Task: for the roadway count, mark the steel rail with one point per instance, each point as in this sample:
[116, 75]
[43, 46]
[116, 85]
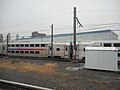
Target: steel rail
[33, 87]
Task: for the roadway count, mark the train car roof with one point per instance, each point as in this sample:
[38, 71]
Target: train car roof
[30, 43]
[66, 43]
[108, 41]
[102, 41]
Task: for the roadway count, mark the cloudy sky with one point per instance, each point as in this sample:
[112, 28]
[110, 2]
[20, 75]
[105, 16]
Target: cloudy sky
[26, 16]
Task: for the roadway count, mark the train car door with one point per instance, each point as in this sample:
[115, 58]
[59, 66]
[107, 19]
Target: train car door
[49, 51]
[70, 51]
[66, 52]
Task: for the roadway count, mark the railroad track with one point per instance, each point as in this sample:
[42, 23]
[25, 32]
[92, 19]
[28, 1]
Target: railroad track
[10, 85]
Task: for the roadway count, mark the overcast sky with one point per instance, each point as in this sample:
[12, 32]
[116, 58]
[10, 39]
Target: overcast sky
[25, 16]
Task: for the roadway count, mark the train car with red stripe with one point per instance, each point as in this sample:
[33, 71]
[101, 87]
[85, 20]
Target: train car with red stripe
[33, 49]
[38, 49]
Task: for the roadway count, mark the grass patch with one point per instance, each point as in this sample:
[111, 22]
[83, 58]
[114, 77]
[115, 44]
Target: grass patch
[48, 68]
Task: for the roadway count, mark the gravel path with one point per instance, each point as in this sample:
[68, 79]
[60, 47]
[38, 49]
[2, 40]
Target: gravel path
[62, 79]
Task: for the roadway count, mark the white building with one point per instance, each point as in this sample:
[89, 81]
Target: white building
[102, 58]
[83, 36]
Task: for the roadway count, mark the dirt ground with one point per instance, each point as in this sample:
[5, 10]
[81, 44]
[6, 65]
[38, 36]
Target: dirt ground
[53, 74]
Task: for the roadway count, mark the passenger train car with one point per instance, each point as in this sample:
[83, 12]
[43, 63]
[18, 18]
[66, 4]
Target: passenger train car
[38, 49]
[60, 50]
[110, 43]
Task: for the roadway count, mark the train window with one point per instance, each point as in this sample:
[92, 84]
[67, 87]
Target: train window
[118, 54]
[42, 45]
[21, 45]
[3, 47]
[12, 45]
[31, 52]
[76, 49]
[26, 45]
[66, 49]
[107, 45]
[84, 49]
[37, 45]
[50, 48]
[37, 52]
[116, 44]
[17, 45]
[12, 51]
[26, 52]
[17, 51]
[57, 49]
[31, 45]
[9, 45]
[21, 51]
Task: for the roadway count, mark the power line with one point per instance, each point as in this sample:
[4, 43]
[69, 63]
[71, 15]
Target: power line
[39, 20]
[109, 25]
[68, 28]
[41, 29]
[100, 10]
[117, 30]
[118, 23]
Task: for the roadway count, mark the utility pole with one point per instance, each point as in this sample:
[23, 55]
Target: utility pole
[7, 44]
[52, 41]
[74, 25]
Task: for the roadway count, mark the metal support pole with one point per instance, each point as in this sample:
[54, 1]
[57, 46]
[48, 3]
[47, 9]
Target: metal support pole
[74, 25]
[7, 45]
[52, 41]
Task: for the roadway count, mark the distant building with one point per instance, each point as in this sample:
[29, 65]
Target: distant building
[36, 34]
[80, 37]
[1, 37]
[17, 36]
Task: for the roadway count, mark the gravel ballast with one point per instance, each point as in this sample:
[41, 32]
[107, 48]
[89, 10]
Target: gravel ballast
[56, 76]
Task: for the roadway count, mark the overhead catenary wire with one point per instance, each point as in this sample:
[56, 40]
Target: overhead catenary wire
[86, 11]
[70, 27]
[37, 20]
[60, 29]
[40, 29]
[55, 16]
[65, 27]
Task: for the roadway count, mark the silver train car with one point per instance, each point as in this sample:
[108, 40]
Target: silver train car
[60, 50]
[39, 49]
[110, 43]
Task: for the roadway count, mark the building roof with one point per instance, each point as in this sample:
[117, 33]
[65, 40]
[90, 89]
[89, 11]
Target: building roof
[101, 49]
[69, 34]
